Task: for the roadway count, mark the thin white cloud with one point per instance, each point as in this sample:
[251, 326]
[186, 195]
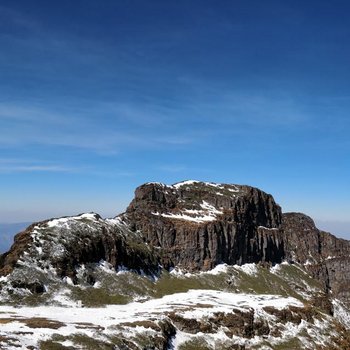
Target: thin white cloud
[8, 169]
[17, 165]
[86, 129]
[30, 114]
[20, 165]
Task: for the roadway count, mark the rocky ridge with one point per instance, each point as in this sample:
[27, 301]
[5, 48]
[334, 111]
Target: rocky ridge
[324, 256]
[168, 240]
[57, 249]
[191, 225]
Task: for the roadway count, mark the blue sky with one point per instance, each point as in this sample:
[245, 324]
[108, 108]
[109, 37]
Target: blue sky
[98, 97]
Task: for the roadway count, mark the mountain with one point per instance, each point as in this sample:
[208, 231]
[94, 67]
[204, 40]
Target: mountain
[193, 265]
[7, 231]
[324, 256]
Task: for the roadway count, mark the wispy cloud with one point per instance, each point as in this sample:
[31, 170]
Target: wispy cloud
[184, 114]
[225, 105]
[99, 130]
[17, 113]
[12, 165]
[34, 168]
[111, 128]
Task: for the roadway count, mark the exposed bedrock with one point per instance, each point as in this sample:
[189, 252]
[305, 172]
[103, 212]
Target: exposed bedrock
[199, 225]
[325, 256]
[67, 243]
[193, 225]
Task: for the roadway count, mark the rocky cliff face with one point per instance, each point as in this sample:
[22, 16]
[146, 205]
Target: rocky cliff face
[199, 225]
[278, 281]
[191, 225]
[326, 257]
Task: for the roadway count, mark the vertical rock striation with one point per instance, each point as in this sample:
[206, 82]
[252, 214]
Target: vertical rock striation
[198, 225]
[325, 256]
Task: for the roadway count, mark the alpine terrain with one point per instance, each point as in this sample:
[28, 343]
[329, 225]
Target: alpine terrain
[193, 265]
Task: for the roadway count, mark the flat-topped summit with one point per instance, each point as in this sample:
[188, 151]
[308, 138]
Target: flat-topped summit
[199, 202]
[189, 200]
[201, 224]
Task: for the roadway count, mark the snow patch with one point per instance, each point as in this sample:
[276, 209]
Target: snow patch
[63, 298]
[341, 312]
[218, 269]
[57, 222]
[206, 214]
[67, 343]
[268, 228]
[185, 183]
[68, 280]
[249, 269]
[230, 188]
[107, 267]
[156, 183]
[3, 279]
[277, 267]
[65, 220]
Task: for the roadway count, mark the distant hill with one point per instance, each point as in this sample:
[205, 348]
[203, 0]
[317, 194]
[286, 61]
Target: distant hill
[7, 232]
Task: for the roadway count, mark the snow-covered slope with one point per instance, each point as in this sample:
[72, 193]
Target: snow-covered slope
[196, 319]
[250, 306]
[189, 266]
[68, 251]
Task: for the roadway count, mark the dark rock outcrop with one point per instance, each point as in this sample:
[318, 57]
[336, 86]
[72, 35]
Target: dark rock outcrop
[9, 259]
[324, 256]
[199, 225]
[245, 323]
[76, 241]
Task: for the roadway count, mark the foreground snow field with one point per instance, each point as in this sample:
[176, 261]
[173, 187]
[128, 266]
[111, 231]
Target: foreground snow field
[28, 327]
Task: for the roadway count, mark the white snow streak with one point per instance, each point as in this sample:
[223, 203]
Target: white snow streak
[207, 213]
